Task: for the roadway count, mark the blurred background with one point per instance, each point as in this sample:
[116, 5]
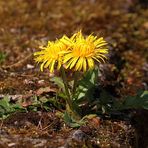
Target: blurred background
[25, 24]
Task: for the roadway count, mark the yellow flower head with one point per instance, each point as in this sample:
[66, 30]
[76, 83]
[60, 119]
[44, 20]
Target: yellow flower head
[50, 56]
[77, 52]
[84, 52]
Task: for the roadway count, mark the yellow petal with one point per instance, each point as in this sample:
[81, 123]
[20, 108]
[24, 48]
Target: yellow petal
[102, 51]
[98, 55]
[79, 64]
[42, 65]
[90, 63]
[101, 57]
[84, 64]
[72, 62]
[47, 64]
[67, 57]
[101, 44]
[96, 59]
[52, 66]
[59, 65]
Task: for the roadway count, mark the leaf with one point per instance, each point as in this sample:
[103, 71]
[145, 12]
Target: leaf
[105, 97]
[4, 105]
[87, 84]
[62, 95]
[67, 118]
[145, 99]
[46, 107]
[139, 101]
[89, 116]
[71, 122]
[145, 94]
[6, 108]
[59, 82]
[90, 77]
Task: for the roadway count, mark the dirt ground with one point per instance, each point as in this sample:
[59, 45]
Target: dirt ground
[25, 24]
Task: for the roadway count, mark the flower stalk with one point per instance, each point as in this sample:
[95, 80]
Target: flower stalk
[69, 100]
[76, 74]
[70, 107]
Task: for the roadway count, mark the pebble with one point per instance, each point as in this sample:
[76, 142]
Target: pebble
[29, 66]
[79, 136]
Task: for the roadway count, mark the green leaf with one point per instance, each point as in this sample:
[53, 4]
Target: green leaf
[138, 102]
[104, 102]
[90, 77]
[4, 105]
[89, 116]
[71, 122]
[144, 97]
[59, 82]
[67, 118]
[144, 94]
[62, 95]
[6, 108]
[46, 107]
[86, 85]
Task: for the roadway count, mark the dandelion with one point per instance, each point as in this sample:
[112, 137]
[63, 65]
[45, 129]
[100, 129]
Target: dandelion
[84, 52]
[50, 56]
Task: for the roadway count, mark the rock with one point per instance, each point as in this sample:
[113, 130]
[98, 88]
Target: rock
[79, 136]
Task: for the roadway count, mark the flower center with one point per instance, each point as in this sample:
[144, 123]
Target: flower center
[84, 49]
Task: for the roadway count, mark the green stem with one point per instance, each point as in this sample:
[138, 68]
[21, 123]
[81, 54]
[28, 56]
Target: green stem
[75, 82]
[69, 100]
[69, 106]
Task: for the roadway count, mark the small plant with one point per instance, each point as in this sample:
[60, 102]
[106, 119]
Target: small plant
[75, 58]
[7, 107]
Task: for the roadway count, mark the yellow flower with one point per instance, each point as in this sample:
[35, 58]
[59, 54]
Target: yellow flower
[76, 52]
[51, 56]
[84, 52]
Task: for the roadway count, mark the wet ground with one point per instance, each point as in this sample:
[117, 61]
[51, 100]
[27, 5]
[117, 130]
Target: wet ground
[27, 24]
